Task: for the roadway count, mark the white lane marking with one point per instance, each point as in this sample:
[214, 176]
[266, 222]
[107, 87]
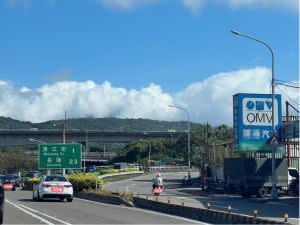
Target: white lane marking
[146, 211]
[29, 213]
[43, 214]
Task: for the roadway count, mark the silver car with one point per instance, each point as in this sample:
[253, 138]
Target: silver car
[53, 186]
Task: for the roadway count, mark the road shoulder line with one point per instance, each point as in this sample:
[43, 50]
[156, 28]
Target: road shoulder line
[29, 213]
[43, 214]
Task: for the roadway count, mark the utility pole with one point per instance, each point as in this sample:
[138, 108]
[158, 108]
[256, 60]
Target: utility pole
[64, 136]
[86, 149]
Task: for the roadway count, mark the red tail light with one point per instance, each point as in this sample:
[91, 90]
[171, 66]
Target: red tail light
[46, 185]
[68, 185]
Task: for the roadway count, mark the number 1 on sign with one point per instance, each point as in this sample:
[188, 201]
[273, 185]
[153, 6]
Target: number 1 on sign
[73, 151]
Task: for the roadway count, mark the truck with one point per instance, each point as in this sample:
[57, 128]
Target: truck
[253, 176]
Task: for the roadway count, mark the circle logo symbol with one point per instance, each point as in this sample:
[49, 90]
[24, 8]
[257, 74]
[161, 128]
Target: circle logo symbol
[250, 105]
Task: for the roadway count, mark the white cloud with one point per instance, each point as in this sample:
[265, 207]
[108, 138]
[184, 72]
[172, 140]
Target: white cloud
[19, 3]
[209, 100]
[291, 4]
[196, 5]
[24, 89]
[193, 5]
[125, 4]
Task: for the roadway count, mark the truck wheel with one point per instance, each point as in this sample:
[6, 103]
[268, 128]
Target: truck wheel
[262, 192]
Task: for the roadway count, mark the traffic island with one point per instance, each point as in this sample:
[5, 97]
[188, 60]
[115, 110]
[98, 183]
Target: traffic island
[200, 214]
[109, 198]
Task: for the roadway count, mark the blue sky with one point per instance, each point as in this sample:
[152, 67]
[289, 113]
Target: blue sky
[131, 44]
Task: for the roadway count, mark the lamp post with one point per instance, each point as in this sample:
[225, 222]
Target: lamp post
[189, 142]
[86, 147]
[42, 142]
[274, 193]
[149, 153]
[31, 139]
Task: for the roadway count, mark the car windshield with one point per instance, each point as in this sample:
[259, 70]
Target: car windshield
[56, 178]
[6, 178]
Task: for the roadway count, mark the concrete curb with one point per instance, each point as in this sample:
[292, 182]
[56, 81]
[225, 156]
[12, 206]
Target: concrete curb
[200, 214]
[204, 215]
[109, 199]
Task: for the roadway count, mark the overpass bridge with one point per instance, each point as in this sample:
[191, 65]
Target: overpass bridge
[13, 137]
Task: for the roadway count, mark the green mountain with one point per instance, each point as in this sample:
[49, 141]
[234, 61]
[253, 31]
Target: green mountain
[99, 124]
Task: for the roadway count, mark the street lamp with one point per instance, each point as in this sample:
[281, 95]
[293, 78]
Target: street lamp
[149, 154]
[86, 147]
[42, 142]
[189, 142]
[31, 139]
[274, 193]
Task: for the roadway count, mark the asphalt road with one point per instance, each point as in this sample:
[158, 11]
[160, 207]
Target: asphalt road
[20, 209]
[196, 198]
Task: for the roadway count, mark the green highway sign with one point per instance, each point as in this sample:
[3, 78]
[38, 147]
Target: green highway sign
[59, 156]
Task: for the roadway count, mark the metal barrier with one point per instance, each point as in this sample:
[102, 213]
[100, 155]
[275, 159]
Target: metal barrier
[163, 168]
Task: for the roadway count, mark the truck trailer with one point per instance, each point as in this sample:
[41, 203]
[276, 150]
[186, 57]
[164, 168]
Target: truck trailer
[253, 176]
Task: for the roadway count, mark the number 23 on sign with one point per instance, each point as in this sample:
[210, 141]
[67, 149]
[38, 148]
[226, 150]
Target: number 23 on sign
[73, 161]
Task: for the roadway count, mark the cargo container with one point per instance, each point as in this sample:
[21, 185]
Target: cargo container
[253, 176]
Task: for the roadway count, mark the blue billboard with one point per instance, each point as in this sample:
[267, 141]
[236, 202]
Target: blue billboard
[252, 122]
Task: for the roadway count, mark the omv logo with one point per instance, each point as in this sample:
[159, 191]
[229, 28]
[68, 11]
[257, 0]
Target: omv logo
[259, 105]
[258, 111]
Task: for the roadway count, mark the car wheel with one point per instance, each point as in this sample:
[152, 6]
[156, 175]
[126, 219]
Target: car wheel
[39, 198]
[1, 212]
[70, 199]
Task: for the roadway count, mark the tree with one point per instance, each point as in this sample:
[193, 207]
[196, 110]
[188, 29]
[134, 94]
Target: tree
[15, 160]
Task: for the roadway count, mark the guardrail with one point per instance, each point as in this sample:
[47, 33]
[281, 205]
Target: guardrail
[163, 168]
[116, 174]
[119, 174]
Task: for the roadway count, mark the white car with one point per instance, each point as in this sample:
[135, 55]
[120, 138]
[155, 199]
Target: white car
[53, 186]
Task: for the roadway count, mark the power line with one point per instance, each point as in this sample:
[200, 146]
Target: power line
[288, 97]
[288, 85]
[288, 82]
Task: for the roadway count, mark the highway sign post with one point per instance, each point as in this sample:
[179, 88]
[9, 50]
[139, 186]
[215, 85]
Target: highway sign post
[252, 122]
[59, 156]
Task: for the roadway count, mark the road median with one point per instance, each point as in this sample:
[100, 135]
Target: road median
[105, 197]
[200, 214]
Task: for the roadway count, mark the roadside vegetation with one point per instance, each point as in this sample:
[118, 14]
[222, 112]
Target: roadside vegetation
[208, 145]
[15, 160]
